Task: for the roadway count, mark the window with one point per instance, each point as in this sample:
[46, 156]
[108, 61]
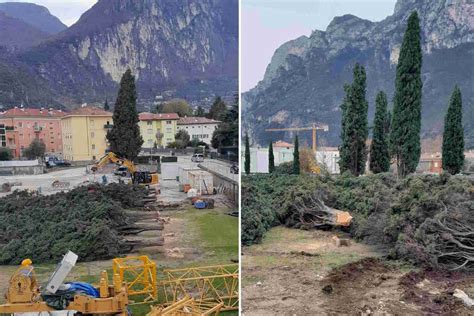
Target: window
[169, 130]
[93, 146]
[20, 124]
[92, 134]
[150, 131]
[148, 123]
[92, 122]
[168, 122]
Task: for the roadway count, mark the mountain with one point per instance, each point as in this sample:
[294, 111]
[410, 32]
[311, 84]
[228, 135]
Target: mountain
[17, 35]
[186, 48]
[304, 81]
[34, 15]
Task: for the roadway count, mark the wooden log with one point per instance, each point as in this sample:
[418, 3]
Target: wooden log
[138, 241]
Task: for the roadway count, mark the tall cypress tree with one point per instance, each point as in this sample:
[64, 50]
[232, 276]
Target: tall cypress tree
[354, 131]
[453, 136]
[296, 157]
[247, 154]
[344, 148]
[124, 137]
[406, 121]
[271, 158]
[379, 152]
[106, 105]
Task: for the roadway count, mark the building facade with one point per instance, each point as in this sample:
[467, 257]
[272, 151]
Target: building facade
[84, 133]
[282, 152]
[157, 130]
[23, 125]
[199, 128]
[326, 157]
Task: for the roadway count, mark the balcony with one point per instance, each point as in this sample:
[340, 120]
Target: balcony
[108, 126]
[37, 129]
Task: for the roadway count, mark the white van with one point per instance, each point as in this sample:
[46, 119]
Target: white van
[197, 158]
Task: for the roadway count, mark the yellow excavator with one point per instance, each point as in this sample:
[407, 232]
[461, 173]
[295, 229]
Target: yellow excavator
[146, 178]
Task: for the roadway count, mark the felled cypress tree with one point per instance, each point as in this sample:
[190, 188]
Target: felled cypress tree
[247, 154]
[296, 157]
[354, 133]
[271, 159]
[453, 135]
[406, 122]
[124, 137]
[379, 153]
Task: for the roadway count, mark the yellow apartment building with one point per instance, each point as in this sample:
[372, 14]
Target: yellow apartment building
[84, 133]
[157, 129]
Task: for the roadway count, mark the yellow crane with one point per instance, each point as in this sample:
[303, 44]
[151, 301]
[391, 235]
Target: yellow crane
[138, 177]
[314, 127]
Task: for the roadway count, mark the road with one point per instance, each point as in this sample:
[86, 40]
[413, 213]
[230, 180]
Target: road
[77, 176]
[43, 182]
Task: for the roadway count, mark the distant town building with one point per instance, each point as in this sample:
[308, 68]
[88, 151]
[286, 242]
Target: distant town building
[3, 136]
[327, 157]
[430, 163]
[199, 128]
[84, 133]
[282, 151]
[23, 125]
[157, 130]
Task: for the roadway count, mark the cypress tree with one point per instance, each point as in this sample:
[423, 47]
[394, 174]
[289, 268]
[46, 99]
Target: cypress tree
[406, 120]
[354, 131]
[379, 152]
[247, 154]
[453, 136]
[296, 157]
[106, 105]
[344, 148]
[124, 137]
[271, 159]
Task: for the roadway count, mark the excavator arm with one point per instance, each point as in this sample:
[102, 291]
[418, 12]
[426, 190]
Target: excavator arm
[113, 158]
[138, 177]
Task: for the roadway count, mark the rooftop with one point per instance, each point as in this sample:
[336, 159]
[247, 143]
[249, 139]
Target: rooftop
[147, 116]
[196, 120]
[29, 112]
[281, 143]
[89, 110]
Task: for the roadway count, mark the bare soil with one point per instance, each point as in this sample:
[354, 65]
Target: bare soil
[296, 272]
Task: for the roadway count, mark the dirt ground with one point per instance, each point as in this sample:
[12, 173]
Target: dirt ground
[295, 272]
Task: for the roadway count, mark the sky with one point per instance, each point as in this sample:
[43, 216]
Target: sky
[267, 24]
[68, 11]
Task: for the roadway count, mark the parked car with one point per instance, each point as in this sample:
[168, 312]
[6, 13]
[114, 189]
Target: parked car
[62, 163]
[56, 162]
[197, 158]
[121, 171]
[234, 169]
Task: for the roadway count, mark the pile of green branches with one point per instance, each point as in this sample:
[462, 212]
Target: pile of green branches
[85, 220]
[426, 219]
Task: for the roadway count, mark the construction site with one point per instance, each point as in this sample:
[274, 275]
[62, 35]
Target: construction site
[115, 238]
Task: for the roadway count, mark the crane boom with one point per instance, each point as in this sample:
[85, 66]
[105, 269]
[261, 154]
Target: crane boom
[312, 128]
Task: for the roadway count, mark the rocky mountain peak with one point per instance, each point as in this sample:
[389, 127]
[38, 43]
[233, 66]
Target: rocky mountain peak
[34, 15]
[304, 82]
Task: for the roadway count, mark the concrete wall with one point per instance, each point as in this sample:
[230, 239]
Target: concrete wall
[20, 167]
